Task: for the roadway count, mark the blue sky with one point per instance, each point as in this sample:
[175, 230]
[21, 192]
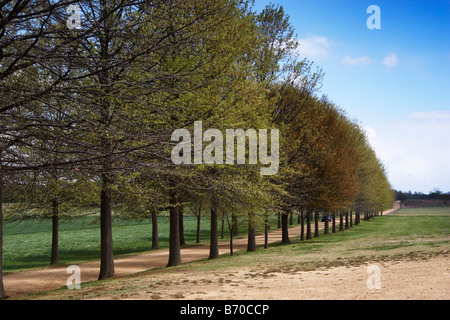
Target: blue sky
[395, 80]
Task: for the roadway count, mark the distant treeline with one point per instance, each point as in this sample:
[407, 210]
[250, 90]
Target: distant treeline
[432, 195]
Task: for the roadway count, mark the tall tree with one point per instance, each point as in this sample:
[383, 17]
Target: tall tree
[27, 30]
[174, 244]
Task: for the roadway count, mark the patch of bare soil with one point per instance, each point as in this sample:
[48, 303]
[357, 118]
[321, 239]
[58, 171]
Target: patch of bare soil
[399, 280]
[51, 278]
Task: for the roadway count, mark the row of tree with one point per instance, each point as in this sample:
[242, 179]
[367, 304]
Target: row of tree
[87, 115]
[436, 194]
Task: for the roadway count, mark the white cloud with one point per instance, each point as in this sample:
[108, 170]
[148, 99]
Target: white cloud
[314, 47]
[430, 115]
[390, 61]
[370, 133]
[414, 151]
[360, 61]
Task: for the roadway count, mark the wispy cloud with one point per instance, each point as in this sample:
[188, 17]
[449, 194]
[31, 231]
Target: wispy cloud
[359, 61]
[430, 115]
[391, 60]
[413, 150]
[314, 47]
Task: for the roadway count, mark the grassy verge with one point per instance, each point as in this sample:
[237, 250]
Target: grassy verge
[407, 235]
[27, 243]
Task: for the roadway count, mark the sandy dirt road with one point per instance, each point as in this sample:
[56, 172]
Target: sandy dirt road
[427, 279]
[50, 278]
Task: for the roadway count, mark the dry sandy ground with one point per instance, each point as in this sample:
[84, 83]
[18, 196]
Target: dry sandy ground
[428, 279]
[50, 278]
[399, 280]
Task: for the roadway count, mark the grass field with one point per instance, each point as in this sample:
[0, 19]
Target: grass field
[409, 235]
[425, 211]
[27, 243]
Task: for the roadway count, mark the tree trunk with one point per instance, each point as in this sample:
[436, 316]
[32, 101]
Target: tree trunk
[284, 229]
[251, 243]
[214, 244]
[198, 228]
[155, 240]
[266, 231]
[235, 227]
[181, 226]
[2, 288]
[308, 225]
[222, 226]
[302, 223]
[346, 220]
[351, 218]
[174, 237]
[316, 225]
[107, 256]
[341, 221]
[55, 219]
[231, 242]
[326, 229]
[333, 228]
[105, 80]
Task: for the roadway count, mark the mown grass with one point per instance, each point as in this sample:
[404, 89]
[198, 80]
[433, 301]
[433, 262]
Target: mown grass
[27, 243]
[386, 238]
[428, 211]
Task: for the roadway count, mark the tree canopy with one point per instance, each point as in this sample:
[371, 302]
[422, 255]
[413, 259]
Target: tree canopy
[87, 114]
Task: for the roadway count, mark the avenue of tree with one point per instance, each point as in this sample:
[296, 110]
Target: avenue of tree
[86, 116]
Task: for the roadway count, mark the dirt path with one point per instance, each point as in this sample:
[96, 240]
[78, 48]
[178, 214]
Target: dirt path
[395, 207]
[50, 278]
[398, 280]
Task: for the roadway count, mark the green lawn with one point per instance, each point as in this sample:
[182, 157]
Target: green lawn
[398, 236]
[409, 235]
[427, 211]
[27, 243]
